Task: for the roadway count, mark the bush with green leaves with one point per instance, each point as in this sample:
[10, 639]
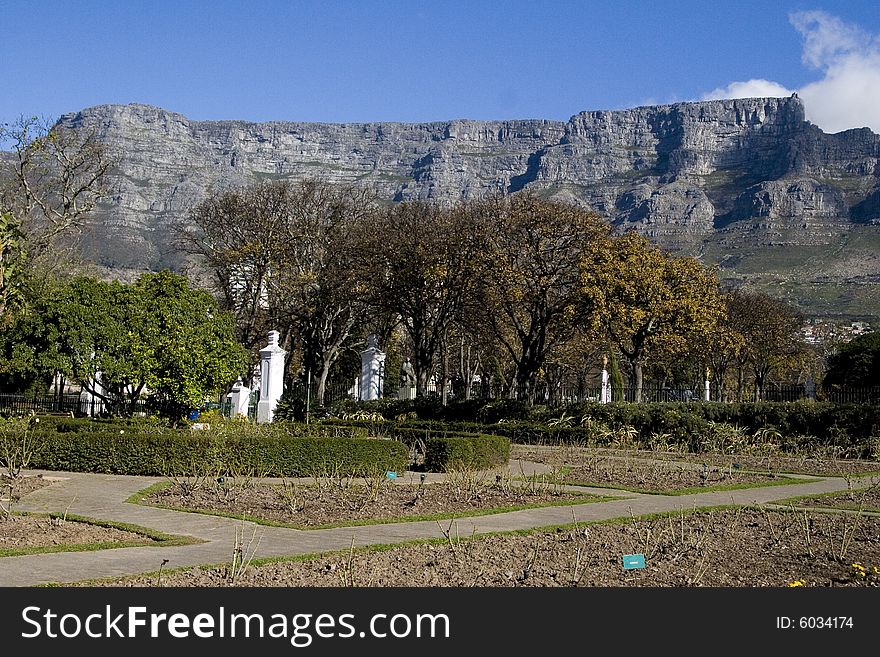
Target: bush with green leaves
[282, 451]
[471, 452]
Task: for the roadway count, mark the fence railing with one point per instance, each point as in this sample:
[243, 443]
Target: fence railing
[69, 403]
[558, 395]
[549, 395]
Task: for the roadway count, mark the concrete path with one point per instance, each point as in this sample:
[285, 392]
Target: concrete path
[103, 497]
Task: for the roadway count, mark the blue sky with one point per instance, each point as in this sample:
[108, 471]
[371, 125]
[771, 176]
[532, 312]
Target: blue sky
[410, 60]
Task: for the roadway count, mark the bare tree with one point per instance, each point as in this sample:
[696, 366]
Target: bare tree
[49, 185]
[282, 256]
[421, 263]
[54, 180]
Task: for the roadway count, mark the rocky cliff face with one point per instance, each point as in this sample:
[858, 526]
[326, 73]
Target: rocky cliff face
[743, 173]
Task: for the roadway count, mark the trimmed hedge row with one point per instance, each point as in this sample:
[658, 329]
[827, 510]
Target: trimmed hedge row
[681, 419]
[446, 445]
[141, 425]
[185, 453]
[481, 452]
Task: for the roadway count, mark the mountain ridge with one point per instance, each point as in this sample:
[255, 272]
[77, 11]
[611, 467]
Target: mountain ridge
[731, 181]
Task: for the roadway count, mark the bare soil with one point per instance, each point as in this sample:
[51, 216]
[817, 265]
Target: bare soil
[16, 488]
[347, 501]
[865, 495]
[635, 472]
[25, 531]
[728, 548]
[770, 462]
[744, 547]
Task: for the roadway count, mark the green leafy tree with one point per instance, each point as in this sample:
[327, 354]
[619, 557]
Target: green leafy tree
[157, 336]
[856, 363]
[182, 342]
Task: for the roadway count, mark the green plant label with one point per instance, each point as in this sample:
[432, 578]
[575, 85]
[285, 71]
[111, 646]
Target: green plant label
[631, 561]
[391, 475]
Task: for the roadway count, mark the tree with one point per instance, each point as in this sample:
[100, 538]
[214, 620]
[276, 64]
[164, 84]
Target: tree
[53, 182]
[770, 330]
[645, 298]
[856, 363]
[184, 342]
[120, 341]
[11, 262]
[421, 262]
[283, 257]
[532, 293]
[727, 344]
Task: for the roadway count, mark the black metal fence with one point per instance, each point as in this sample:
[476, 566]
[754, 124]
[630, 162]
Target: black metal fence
[559, 395]
[73, 404]
[69, 404]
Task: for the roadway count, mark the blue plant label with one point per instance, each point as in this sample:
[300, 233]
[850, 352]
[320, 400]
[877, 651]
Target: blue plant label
[631, 561]
[391, 475]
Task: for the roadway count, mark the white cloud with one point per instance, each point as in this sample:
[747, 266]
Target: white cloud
[757, 88]
[848, 94]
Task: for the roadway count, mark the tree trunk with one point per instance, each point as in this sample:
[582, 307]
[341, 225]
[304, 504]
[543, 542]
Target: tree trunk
[444, 369]
[322, 383]
[637, 381]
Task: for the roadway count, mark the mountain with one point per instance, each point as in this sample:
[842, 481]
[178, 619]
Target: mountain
[747, 183]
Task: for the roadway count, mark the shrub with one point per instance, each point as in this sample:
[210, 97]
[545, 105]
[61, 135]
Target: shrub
[276, 451]
[466, 452]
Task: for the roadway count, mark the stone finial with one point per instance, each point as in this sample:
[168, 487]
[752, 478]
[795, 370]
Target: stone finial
[372, 341]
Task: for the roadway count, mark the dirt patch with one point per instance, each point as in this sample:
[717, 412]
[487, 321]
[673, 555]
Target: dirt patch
[18, 487]
[26, 531]
[348, 502]
[727, 548]
[584, 466]
[771, 463]
[864, 496]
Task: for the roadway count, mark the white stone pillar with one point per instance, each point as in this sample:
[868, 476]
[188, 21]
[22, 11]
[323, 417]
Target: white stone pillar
[372, 370]
[239, 399]
[604, 394]
[707, 389]
[271, 377]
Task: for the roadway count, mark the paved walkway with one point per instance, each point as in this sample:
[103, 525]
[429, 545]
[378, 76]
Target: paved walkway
[103, 497]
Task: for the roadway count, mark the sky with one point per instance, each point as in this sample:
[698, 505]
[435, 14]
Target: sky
[413, 60]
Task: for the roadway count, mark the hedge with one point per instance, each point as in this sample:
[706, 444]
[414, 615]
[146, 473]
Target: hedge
[447, 445]
[853, 431]
[188, 453]
[457, 452]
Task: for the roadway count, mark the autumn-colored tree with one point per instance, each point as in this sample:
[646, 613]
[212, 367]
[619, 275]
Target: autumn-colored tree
[726, 345]
[644, 297]
[421, 262]
[532, 293]
[771, 337]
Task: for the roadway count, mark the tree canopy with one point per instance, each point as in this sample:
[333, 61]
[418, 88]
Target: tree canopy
[157, 335]
[856, 363]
